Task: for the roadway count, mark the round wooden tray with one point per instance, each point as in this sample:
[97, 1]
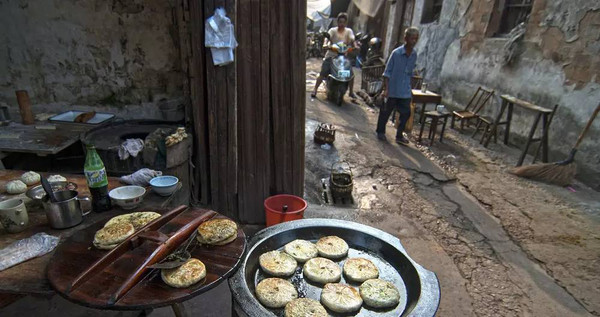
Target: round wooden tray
[77, 253]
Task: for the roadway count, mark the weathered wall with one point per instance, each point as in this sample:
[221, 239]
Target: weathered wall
[557, 62]
[81, 53]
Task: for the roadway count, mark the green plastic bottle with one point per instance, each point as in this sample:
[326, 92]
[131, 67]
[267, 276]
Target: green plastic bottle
[97, 181]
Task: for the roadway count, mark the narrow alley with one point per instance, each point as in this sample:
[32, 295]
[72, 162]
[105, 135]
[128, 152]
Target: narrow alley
[501, 246]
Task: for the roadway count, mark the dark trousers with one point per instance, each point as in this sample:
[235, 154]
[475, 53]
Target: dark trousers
[402, 105]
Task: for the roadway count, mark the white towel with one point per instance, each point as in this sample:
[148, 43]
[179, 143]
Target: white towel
[130, 147]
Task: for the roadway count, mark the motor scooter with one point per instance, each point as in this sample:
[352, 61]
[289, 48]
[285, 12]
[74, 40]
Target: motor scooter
[362, 41]
[341, 74]
[314, 45]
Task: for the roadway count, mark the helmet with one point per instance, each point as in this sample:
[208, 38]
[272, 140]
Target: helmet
[375, 43]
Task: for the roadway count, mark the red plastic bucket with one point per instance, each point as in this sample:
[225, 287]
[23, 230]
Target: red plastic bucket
[274, 206]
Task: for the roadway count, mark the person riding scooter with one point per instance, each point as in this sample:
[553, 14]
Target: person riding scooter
[341, 76]
[341, 33]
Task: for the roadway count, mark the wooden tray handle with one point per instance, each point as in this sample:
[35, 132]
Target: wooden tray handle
[123, 247]
[160, 253]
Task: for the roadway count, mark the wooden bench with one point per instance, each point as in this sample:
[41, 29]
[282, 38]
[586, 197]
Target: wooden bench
[541, 113]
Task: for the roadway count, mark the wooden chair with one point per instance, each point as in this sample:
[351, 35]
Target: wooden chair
[416, 82]
[487, 125]
[477, 102]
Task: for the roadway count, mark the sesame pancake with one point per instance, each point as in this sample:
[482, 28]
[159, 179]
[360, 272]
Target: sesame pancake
[322, 270]
[226, 241]
[216, 230]
[332, 247]
[301, 250]
[191, 272]
[114, 234]
[305, 307]
[341, 298]
[137, 219]
[275, 292]
[379, 293]
[360, 270]
[277, 263]
[105, 246]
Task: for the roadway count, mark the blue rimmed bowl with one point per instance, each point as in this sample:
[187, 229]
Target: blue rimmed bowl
[164, 185]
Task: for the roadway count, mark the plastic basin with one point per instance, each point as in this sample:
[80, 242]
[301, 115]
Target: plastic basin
[274, 206]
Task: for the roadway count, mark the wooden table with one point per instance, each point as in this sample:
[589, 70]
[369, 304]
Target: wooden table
[30, 277]
[75, 255]
[424, 98]
[42, 139]
[545, 114]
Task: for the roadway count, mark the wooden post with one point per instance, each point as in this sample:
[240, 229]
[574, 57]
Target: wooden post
[249, 116]
[25, 107]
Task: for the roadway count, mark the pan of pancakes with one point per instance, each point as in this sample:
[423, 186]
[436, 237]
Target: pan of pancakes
[324, 267]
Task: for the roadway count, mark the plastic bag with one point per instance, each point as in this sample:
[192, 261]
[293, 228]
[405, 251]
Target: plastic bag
[25, 249]
[141, 178]
[220, 37]
[130, 147]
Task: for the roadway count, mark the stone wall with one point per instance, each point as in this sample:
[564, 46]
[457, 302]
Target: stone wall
[556, 62]
[80, 54]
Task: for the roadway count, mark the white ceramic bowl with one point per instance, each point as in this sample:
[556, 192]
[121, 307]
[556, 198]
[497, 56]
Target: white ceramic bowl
[127, 197]
[164, 185]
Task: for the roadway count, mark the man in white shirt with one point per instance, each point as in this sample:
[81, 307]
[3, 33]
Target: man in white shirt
[341, 33]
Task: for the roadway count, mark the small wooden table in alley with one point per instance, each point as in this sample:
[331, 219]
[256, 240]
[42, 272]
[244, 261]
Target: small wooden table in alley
[545, 114]
[424, 98]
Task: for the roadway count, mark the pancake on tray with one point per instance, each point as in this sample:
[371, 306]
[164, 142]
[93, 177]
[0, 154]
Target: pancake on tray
[379, 293]
[305, 307]
[190, 273]
[277, 263]
[341, 298]
[322, 270]
[301, 250]
[137, 219]
[360, 270]
[332, 247]
[217, 232]
[275, 292]
[109, 237]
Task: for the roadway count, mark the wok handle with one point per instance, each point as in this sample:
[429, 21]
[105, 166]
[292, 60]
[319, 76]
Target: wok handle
[429, 299]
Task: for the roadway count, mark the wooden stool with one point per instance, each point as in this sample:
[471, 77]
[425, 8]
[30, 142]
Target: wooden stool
[435, 118]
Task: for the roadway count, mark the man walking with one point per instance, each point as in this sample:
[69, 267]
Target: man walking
[339, 34]
[396, 85]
